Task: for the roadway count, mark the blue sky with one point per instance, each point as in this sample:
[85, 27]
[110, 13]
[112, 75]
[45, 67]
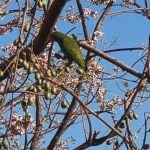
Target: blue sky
[131, 30]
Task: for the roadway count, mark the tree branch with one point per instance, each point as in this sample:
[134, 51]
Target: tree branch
[111, 59]
[36, 137]
[43, 37]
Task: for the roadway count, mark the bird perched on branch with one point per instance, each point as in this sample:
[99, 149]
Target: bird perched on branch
[70, 48]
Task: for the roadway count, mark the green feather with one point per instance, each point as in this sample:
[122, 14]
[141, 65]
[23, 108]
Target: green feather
[70, 48]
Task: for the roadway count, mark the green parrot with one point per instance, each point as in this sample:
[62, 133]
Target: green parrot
[70, 48]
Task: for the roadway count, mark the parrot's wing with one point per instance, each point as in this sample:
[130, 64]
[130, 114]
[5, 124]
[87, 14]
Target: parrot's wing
[72, 50]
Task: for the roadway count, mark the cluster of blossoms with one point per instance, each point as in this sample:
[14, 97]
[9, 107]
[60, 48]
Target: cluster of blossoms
[63, 144]
[97, 34]
[89, 12]
[71, 18]
[19, 124]
[97, 2]
[43, 60]
[75, 17]
[10, 48]
[96, 84]
[108, 105]
[5, 29]
[37, 25]
[94, 66]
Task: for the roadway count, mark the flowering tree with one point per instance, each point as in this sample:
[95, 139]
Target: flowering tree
[47, 103]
